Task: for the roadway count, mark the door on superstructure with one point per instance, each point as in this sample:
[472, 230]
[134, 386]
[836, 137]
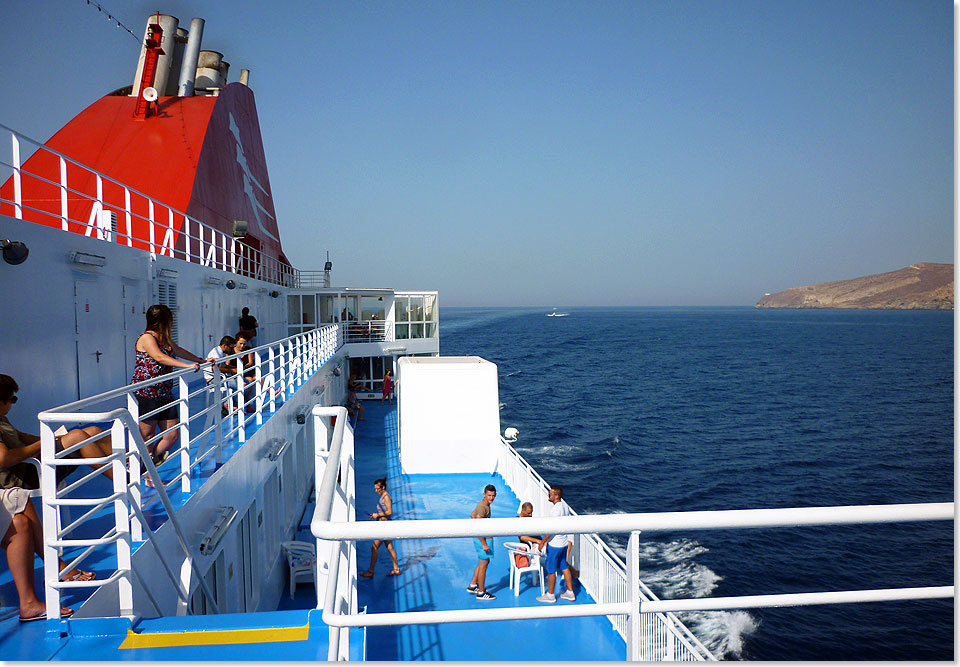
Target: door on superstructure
[101, 363]
[133, 324]
[212, 321]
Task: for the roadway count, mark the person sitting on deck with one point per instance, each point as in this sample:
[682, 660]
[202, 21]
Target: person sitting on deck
[249, 367]
[228, 369]
[16, 446]
[384, 513]
[354, 406]
[532, 541]
[21, 536]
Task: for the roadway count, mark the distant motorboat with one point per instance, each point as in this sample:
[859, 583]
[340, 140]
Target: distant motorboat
[556, 314]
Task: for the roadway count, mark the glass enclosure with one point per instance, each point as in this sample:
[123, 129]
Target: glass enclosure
[368, 372]
[416, 316]
[365, 314]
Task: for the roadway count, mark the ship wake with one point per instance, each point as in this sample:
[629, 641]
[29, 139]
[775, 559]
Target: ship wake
[671, 571]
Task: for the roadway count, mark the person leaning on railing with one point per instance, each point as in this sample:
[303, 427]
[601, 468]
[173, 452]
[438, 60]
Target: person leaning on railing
[156, 354]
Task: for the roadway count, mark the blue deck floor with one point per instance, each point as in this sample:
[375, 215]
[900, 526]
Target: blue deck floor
[435, 575]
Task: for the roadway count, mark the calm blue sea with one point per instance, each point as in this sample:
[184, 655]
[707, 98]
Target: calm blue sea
[673, 409]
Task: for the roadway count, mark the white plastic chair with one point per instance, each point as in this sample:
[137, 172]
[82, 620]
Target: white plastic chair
[302, 559]
[517, 551]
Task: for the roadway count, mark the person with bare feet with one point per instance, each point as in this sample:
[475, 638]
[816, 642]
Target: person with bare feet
[354, 406]
[387, 387]
[22, 537]
[384, 513]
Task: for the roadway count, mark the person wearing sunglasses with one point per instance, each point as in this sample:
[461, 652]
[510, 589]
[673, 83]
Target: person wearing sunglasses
[17, 446]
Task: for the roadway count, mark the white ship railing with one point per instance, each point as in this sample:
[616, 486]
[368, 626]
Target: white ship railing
[646, 637]
[282, 366]
[336, 484]
[311, 280]
[367, 331]
[112, 217]
[602, 573]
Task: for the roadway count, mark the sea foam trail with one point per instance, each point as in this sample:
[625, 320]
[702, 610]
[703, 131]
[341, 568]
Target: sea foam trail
[669, 569]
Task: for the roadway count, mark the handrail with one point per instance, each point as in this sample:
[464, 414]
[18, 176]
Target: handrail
[117, 416]
[346, 532]
[244, 260]
[600, 567]
[275, 366]
[66, 412]
[343, 533]
[625, 523]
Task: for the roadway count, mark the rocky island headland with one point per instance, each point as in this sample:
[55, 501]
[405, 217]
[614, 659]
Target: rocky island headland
[923, 286]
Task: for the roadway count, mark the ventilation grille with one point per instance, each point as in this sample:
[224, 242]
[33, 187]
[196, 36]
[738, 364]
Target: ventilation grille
[167, 295]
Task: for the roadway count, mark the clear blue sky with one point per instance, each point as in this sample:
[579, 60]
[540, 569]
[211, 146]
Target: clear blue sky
[563, 153]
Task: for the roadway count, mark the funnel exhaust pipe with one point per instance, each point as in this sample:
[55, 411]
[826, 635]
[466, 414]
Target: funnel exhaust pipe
[191, 54]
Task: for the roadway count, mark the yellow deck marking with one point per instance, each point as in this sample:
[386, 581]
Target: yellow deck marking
[214, 637]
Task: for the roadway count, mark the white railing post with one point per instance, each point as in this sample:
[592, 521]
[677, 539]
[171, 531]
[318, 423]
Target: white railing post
[102, 233]
[64, 212]
[129, 216]
[241, 409]
[186, 238]
[17, 196]
[136, 528]
[121, 512]
[184, 434]
[298, 341]
[48, 489]
[258, 377]
[633, 585]
[218, 414]
[271, 364]
[321, 436]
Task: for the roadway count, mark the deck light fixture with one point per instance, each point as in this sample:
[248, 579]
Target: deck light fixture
[219, 528]
[14, 252]
[87, 259]
[276, 448]
[231, 284]
[274, 294]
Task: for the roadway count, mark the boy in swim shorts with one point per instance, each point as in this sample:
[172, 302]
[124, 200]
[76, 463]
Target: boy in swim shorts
[483, 545]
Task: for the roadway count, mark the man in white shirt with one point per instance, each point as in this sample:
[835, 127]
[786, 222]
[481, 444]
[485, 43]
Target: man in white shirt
[219, 352]
[225, 347]
[556, 545]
